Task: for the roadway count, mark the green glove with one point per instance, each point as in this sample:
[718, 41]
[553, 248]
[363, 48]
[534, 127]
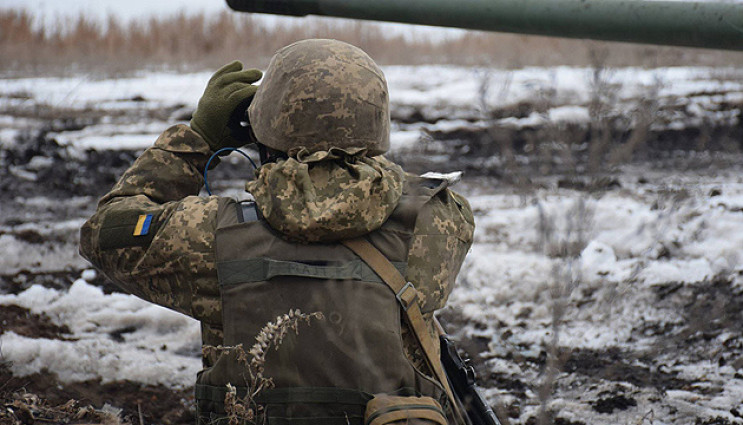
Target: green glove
[228, 90]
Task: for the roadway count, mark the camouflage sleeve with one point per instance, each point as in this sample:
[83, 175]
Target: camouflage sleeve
[443, 235]
[152, 236]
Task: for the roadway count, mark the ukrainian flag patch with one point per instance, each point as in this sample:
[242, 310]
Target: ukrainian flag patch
[143, 225]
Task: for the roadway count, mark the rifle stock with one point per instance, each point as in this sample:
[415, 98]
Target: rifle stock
[462, 380]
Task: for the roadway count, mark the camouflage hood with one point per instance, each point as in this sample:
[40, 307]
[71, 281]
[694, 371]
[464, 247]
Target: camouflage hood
[327, 196]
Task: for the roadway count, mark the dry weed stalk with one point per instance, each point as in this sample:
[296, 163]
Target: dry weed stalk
[23, 407]
[549, 140]
[497, 136]
[563, 238]
[604, 95]
[244, 409]
[644, 116]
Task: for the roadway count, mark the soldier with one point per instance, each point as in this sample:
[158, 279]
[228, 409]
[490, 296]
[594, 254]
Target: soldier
[325, 201]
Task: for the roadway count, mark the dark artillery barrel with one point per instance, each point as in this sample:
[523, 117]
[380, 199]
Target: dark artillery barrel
[707, 24]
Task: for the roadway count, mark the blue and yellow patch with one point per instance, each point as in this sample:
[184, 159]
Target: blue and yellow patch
[143, 225]
[128, 228]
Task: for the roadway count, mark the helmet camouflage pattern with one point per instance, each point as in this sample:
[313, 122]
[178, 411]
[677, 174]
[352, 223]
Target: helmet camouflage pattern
[318, 94]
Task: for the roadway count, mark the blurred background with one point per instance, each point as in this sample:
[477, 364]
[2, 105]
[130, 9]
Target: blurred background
[112, 37]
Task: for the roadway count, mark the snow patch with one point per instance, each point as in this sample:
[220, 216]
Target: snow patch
[403, 140]
[113, 337]
[569, 114]
[19, 255]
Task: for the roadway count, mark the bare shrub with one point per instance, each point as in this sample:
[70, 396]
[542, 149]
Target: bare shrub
[240, 409]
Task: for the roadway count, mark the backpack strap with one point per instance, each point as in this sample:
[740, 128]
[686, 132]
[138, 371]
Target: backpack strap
[407, 296]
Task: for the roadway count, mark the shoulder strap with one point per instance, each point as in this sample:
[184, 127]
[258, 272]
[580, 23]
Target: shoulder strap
[407, 296]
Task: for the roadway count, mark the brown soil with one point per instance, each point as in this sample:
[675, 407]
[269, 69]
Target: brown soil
[41, 398]
[23, 322]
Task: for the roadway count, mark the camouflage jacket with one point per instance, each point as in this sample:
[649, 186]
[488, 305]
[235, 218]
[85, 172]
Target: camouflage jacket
[173, 262]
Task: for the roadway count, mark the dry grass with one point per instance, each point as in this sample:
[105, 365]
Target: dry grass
[564, 235]
[21, 407]
[244, 409]
[184, 42]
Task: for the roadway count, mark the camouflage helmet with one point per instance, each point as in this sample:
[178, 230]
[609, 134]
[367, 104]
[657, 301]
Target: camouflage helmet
[318, 94]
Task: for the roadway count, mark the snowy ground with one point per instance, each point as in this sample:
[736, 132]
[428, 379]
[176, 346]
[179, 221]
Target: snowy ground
[646, 319]
[430, 98]
[617, 305]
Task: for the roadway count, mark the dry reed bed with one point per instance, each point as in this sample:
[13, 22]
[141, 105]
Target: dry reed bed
[188, 42]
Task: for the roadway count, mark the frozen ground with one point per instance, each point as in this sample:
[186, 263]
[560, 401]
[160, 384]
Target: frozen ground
[429, 98]
[638, 288]
[586, 303]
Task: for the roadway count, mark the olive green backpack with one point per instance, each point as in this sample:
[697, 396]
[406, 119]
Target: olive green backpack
[319, 326]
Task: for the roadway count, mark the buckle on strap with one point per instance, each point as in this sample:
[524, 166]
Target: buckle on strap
[407, 301]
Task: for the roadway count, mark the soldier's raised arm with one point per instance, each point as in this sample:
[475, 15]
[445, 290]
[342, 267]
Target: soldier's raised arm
[151, 234]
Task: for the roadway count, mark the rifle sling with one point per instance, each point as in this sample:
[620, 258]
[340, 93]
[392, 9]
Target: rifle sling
[407, 295]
